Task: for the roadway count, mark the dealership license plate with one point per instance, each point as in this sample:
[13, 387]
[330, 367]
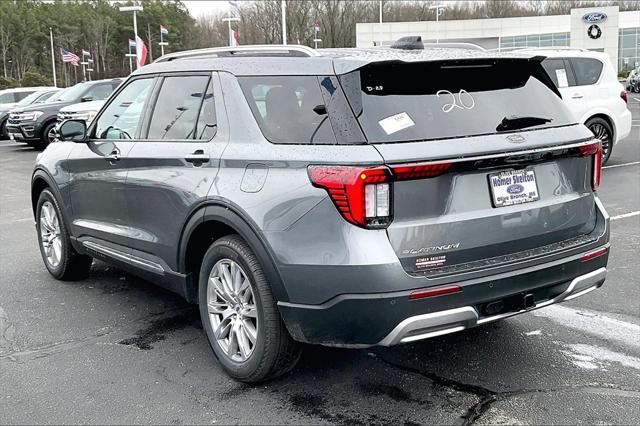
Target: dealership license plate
[512, 187]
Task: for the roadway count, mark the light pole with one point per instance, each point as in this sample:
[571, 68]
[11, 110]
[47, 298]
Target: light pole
[439, 11]
[133, 9]
[283, 6]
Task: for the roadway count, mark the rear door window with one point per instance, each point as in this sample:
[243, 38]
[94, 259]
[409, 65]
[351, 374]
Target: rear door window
[560, 72]
[289, 109]
[587, 70]
[176, 110]
[401, 102]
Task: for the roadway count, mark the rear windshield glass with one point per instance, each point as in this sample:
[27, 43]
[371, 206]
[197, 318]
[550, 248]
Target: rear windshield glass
[289, 109]
[399, 102]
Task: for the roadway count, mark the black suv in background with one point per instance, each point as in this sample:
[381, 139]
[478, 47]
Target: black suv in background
[35, 124]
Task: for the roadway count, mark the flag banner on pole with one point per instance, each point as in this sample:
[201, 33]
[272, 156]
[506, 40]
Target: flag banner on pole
[132, 43]
[69, 57]
[86, 52]
[141, 52]
[233, 7]
[233, 38]
[316, 28]
[164, 30]
[90, 61]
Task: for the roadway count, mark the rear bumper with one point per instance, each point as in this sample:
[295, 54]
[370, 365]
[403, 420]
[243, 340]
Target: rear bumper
[452, 320]
[624, 125]
[361, 320]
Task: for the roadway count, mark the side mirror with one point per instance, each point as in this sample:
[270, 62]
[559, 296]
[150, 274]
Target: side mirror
[86, 99]
[73, 131]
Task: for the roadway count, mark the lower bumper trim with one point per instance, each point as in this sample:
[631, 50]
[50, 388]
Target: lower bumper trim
[452, 320]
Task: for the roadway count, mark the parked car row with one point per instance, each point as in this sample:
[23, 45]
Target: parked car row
[32, 115]
[633, 81]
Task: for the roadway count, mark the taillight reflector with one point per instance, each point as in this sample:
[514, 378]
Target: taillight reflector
[362, 195]
[624, 96]
[593, 254]
[418, 171]
[432, 292]
[594, 148]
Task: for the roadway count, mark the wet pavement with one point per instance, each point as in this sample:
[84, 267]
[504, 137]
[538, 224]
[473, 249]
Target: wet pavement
[115, 349]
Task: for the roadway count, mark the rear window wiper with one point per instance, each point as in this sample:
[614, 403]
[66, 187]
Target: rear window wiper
[517, 122]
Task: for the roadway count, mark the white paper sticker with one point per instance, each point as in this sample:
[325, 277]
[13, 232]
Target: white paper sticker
[395, 123]
[561, 75]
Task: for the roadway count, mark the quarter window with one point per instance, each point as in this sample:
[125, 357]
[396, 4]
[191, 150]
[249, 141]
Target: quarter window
[289, 109]
[176, 111]
[121, 119]
[587, 70]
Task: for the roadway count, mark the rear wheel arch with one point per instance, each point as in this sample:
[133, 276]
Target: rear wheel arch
[215, 221]
[606, 118]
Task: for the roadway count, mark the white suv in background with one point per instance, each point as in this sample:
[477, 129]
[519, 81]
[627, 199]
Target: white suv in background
[590, 88]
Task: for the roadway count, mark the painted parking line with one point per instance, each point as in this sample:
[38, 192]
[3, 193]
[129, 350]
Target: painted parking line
[613, 166]
[625, 215]
[594, 323]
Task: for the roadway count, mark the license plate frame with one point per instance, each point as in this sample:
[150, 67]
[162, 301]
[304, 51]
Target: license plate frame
[513, 187]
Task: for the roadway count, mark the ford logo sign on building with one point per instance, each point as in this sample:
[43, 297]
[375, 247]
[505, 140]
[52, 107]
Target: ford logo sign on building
[593, 17]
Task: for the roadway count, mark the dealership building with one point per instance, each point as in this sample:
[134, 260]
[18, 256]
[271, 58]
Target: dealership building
[603, 29]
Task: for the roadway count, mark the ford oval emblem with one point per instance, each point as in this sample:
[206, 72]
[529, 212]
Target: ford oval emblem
[516, 138]
[515, 189]
[593, 17]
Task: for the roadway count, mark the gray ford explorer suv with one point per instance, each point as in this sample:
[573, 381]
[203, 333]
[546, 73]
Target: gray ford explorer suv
[345, 197]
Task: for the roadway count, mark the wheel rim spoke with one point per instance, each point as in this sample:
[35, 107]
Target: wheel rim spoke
[50, 234]
[232, 311]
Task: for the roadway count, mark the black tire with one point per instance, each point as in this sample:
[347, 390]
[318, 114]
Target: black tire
[46, 138]
[274, 352]
[3, 130]
[603, 131]
[71, 265]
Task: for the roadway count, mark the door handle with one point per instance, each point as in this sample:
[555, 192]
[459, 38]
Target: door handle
[197, 157]
[576, 96]
[114, 156]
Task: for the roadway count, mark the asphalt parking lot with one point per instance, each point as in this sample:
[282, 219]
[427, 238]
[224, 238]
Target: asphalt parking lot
[115, 349]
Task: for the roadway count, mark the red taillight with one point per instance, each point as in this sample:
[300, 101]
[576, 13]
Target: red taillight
[624, 96]
[595, 149]
[596, 253]
[362, 195]
[417, 171]
[597, 168]
[438, 291]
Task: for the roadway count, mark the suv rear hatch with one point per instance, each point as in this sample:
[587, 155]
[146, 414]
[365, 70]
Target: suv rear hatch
[488, 166]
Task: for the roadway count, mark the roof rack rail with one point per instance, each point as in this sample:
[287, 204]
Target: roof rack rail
[454, 45]
[292, 50]
[512, 49]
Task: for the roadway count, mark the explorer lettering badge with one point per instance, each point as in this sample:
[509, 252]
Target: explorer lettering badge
[432, 249]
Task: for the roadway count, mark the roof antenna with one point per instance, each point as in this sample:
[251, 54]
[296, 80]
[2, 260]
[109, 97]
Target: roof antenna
[408, 43]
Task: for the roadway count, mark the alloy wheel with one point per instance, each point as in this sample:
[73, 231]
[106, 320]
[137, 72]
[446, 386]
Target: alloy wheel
[232, 310]
[51, 134]
[602, 133]
[50, 234]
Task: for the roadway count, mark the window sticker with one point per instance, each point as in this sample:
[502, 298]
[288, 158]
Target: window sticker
[561, 75]
[395, 123]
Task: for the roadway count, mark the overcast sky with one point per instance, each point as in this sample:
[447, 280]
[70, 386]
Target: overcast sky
[204, 7]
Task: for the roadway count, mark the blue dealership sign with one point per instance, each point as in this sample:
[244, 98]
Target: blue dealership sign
[593, 17]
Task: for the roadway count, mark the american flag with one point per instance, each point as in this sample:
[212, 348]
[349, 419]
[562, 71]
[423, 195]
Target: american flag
[69, 57]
